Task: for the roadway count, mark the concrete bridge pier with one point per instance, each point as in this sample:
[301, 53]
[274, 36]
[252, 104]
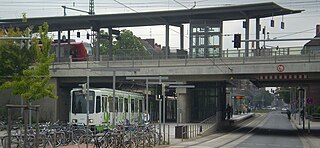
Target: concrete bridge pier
[183, 106]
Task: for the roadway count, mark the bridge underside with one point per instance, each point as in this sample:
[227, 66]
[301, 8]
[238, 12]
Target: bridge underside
[191, 105]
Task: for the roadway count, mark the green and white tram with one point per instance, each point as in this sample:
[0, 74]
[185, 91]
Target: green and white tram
[128, 106]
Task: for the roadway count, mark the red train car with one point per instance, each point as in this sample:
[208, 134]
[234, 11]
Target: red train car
[79, 51]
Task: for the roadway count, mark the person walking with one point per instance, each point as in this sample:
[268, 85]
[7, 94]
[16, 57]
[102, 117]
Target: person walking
[289, 114]
[228, 109]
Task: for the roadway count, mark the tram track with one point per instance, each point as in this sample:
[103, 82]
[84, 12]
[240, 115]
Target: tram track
[244, 130]
[221, 140]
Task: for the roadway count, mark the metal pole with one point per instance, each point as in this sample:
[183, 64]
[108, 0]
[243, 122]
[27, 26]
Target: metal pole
[25, 121]
[164, 114]
[37, 127]
[303, 108]
[113, 97]
[264, 37]
[30, 116]
[247, 37]
[167, 41]
[160, 109]
[88, 97]
[257, 33]
[9, 127]
[147, 96]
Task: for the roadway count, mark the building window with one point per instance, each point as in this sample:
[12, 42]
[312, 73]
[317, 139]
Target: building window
[214, 40]
[201, 40]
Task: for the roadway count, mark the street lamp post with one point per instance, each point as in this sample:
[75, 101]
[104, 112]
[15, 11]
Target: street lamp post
[301, 94]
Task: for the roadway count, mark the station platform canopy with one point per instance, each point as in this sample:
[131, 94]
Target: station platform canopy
[173, 17]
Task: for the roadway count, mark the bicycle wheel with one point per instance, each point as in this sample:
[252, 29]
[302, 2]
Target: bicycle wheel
[76, 135]
[84, 139]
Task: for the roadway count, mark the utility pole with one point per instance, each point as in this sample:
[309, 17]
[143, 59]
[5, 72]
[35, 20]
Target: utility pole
[91, 7]
[90, 12]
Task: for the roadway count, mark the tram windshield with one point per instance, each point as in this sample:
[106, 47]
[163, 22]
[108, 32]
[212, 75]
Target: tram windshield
[79, 102]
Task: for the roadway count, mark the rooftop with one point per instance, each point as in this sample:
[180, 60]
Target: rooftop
[175, 17]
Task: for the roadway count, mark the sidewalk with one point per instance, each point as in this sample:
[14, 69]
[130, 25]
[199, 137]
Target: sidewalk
[311, 136]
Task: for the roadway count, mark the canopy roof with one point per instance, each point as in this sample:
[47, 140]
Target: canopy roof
[174, 17]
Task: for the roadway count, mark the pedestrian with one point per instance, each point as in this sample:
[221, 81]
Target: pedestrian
[289, 114]
[228, 109]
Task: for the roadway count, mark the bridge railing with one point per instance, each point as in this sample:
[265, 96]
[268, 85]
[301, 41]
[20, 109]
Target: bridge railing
[229, 57]
[206, 124]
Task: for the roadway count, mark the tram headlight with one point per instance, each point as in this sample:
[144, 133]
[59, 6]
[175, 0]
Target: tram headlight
[74, 120]
[90, 120]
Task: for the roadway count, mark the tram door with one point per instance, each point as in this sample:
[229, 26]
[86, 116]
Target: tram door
[105, 109]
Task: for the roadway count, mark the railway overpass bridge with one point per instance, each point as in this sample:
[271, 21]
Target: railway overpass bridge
[211, 77]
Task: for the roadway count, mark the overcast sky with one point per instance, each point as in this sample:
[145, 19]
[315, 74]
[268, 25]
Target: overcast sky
[296, 26]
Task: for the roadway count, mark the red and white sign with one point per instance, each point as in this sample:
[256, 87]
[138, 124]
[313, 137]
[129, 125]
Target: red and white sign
[280, 68]
[283, 77]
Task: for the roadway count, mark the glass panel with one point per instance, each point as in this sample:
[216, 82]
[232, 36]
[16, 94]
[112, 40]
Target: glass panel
[105, 103]
[201, 39]
[116, 104]
[79, 102]
[98, 104]
[121, 105]
[88, 48]
[216, 52]
[216, 40]
[126, 109]
[194, 29]
[200, 52]
[140, 106]
[110, 104]
[194, 40]
[211, 52]
[132, 105]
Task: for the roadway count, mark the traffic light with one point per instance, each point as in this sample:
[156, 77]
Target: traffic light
[84, 88]
[159, 92]
[237, 41]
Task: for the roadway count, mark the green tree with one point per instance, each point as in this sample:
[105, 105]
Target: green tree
[263, 97]
[15, 56]
[124, 44]
[33, 84]
[284, 94]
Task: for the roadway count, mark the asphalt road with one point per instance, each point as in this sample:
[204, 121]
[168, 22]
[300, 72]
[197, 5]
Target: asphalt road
[276, 132]
[272, 130]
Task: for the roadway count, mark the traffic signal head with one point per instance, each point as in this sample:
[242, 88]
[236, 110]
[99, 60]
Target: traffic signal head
[84, 88]
[237, 41]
